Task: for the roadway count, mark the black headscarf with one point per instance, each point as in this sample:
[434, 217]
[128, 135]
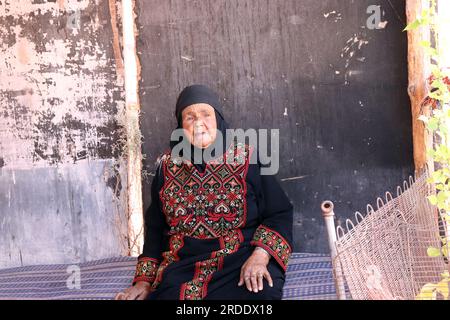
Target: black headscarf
[201, 94]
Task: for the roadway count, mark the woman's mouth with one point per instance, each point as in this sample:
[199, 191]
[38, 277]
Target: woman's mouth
[199, 134]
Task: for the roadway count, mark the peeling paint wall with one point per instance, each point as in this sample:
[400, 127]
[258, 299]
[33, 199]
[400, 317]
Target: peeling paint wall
[62, 174]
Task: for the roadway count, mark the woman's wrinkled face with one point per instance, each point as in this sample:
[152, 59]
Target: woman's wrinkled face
[199, 124]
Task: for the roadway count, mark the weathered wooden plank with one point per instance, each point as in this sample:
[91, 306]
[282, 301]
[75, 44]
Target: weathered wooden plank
[133, 133]
[418, 71]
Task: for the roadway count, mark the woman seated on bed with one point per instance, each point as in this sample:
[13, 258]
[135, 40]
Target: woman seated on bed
[215, 229]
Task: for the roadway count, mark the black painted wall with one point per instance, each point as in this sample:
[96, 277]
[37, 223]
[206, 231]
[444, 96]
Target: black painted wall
[334, 88]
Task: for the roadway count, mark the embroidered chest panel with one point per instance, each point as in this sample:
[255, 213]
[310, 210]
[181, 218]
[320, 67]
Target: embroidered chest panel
[206, 205]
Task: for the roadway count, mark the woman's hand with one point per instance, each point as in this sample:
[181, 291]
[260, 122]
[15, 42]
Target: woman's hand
[137, 292]
[254, 270]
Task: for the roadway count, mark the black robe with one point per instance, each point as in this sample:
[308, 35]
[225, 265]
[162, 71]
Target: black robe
[201, 227]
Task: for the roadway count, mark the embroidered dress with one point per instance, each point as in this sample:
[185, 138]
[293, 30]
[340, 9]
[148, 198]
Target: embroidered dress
[202, 226]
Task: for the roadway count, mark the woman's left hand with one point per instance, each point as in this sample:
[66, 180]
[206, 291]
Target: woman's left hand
[254, 270]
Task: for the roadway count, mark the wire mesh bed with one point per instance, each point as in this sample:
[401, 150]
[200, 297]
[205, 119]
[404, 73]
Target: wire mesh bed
[384, 255]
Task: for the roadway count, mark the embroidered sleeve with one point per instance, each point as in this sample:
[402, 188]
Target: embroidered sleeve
[146, 270]
[273, 243]
[148, 262]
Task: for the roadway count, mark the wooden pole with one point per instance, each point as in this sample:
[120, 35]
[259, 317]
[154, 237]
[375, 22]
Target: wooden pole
[134, 182]
[418, 71]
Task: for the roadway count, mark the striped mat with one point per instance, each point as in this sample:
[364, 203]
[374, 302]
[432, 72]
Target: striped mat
[308, 277]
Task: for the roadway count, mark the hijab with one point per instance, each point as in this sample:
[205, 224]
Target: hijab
[201, 94]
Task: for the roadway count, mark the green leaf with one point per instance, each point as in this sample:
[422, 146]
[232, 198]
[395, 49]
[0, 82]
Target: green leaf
[441, 199]
[442, 288]
[437, 175]
[436, 71]
[445, 251]
[435, 95]
[425, 13]
[425, 43]
[433, 200]
[433, 252]
[428, 292]
[413, 25]
[433, 124]
[431, 52]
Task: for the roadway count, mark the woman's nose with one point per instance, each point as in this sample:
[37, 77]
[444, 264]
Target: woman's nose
[198, 123]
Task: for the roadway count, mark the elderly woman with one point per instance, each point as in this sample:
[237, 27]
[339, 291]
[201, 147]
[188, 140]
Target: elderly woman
[215, 229]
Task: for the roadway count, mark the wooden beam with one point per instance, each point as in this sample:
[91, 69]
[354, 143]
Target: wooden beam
[418, 71]
[134, 182]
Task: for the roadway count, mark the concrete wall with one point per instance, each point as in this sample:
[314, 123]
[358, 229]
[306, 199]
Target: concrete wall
[62, 177]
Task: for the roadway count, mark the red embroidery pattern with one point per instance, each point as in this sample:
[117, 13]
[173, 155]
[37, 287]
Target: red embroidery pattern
[176, 242]
[206, 205]
[274, 243]
[197, 288]
[146, 270]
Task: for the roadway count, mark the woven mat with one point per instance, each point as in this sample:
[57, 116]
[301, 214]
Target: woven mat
[308, 277]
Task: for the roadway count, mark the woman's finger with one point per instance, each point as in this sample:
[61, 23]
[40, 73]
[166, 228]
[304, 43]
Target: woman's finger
[142, 295]
[120, 296]
[260, 278]
[248, 282]
[132, 294]
[254, 282]
[127, 290]
[241, 276]
[268, 278]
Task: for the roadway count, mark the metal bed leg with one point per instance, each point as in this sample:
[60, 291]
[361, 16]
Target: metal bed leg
[328, 215]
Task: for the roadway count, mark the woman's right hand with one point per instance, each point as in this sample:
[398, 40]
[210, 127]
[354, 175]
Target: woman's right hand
[137, 292]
